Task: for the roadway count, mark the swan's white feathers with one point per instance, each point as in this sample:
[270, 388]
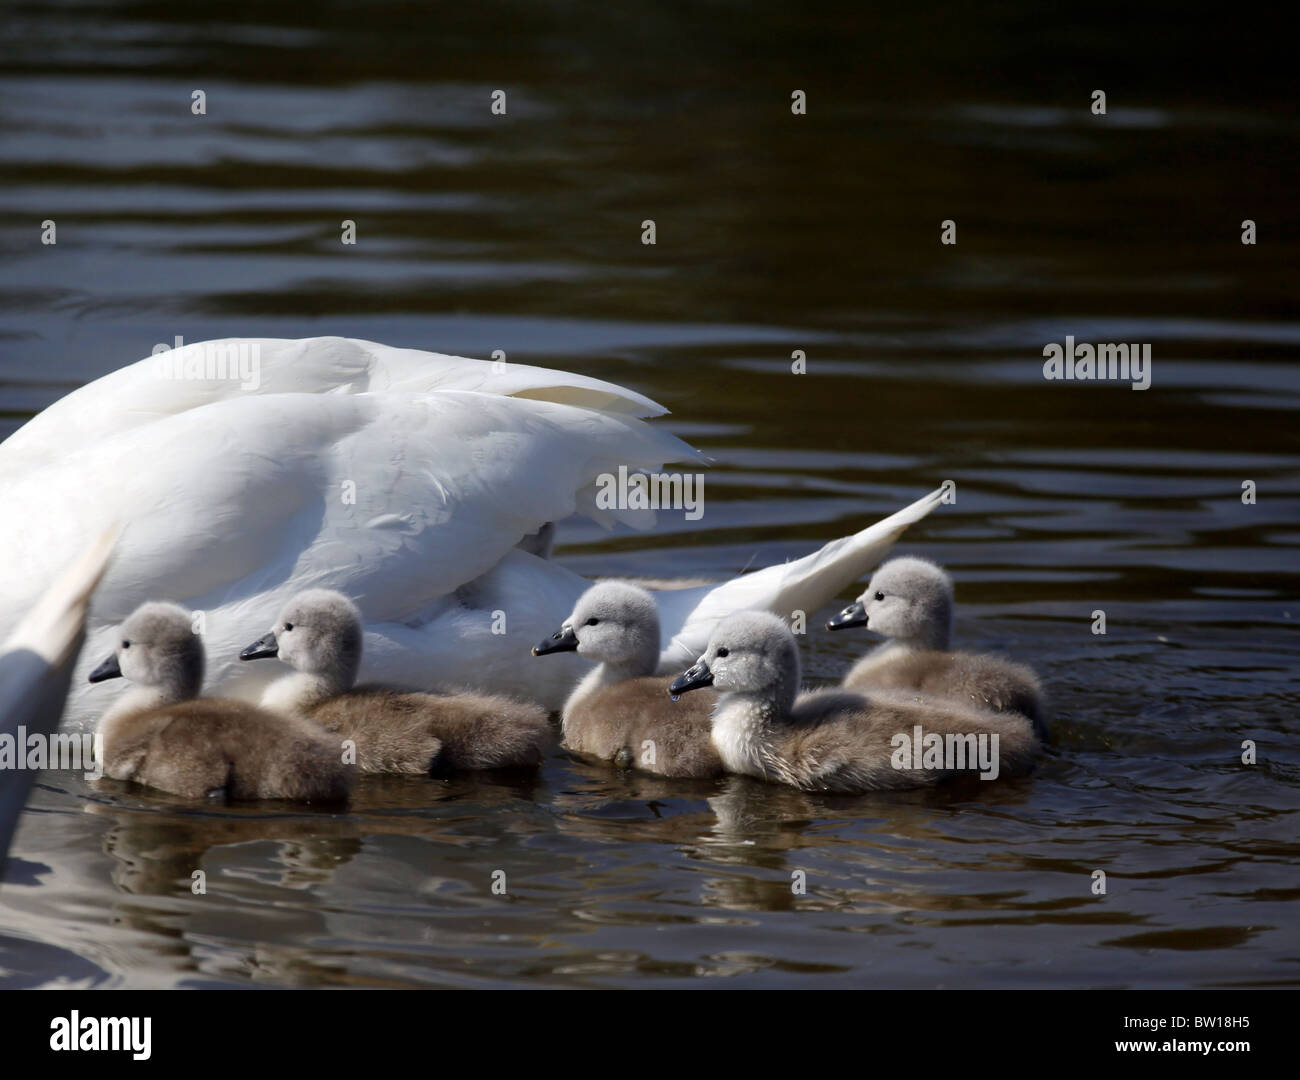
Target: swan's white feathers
[401, 478]
[137, 395]
[397, 500]
[802, 585]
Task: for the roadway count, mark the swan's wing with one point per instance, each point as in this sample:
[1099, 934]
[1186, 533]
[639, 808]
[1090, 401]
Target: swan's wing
[207, 372]
[688, 616]
[483, 636]
[397, 500]
[36, 667]
[417, 371]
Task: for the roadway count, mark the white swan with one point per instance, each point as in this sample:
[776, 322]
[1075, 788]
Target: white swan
[406, 480]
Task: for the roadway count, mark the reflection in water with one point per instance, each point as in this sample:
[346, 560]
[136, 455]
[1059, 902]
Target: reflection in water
[775, 233]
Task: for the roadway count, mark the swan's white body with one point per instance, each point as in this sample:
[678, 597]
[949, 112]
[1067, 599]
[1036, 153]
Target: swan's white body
[401, 478]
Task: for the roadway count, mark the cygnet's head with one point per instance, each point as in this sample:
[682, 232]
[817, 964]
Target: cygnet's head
[751, 652]
[613, 622]
[158, 648]
[908, 599]
[318, 632]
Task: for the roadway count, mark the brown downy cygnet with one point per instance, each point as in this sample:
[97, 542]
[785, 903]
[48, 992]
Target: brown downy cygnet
[835, 741]
[319, 633]
[909, 602]
[161, 733]
[619, 711]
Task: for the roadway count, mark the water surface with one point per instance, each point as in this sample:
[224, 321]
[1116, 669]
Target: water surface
[775, 233]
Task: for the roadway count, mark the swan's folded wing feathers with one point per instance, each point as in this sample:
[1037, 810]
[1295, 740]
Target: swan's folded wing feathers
[465, 476]
[394, 499]
[805, 584]
[413, 370]
[203, 373]
[406, 496]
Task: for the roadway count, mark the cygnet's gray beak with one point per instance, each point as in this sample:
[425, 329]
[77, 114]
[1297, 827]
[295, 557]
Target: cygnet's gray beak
[853, 615]
[107, 670]
[563, 640]
[262, 648]
[693, 679]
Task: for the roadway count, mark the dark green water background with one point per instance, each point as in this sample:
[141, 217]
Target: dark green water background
[775, 232]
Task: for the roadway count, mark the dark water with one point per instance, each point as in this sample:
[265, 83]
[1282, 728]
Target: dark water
[775, 233]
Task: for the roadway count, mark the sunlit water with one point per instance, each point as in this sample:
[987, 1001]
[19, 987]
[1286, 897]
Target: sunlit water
[775, 233]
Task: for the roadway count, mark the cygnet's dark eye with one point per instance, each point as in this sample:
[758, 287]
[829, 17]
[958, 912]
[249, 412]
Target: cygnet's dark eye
[126, 644]
[880, 596]
[288, 626]
[593, 622]
[723, 652]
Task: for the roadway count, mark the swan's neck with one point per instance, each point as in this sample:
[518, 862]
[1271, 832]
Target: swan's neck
[936, 635]
[894, 650]
[136, 699]
[742, 727]
[602, 675]
[642, 659]
[938, 640]
[301, 691]
[879, 659]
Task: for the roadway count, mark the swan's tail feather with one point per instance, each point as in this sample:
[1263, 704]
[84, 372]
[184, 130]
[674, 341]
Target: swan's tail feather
[806, 584]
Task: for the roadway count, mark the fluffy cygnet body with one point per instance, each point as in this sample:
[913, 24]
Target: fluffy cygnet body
[160, 733]
[835, 741]
[319, 633]
[909, 601]
[620, 711]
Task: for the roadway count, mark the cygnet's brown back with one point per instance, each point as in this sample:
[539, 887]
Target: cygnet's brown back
[390, 730]
[980, 680]
[614, 723]
[843, 742]
[417, 733]
[217, 745]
